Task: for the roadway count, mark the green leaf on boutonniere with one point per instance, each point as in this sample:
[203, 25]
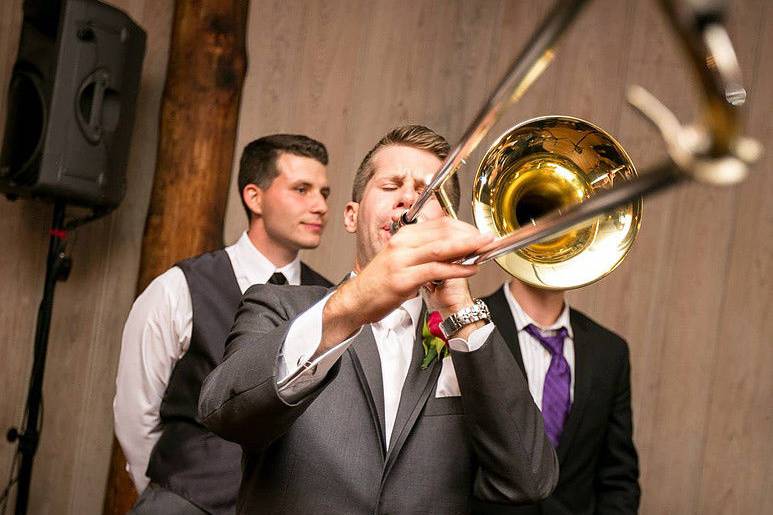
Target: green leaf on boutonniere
[429, 355]
[432, 341]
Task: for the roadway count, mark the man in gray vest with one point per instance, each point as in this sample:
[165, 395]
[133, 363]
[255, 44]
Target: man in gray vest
[176, 330]
[344, 403]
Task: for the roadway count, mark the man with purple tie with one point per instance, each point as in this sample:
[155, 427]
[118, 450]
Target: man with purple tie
[579, 375]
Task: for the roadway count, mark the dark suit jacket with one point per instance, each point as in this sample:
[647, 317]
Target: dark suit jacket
[326, 453]
[599, 468]
[310, 276]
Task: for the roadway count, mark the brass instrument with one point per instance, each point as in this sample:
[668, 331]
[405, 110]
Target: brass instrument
[561, 195]
[548, 164]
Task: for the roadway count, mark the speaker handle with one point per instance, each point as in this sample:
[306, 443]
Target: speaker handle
[89, 103]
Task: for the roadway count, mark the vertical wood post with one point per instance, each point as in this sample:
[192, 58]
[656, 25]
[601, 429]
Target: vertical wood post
[198, 121]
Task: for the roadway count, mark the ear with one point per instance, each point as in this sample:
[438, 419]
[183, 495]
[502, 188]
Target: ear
[253, 199]
[350, 216]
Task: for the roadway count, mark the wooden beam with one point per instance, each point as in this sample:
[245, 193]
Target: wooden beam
[198, 121]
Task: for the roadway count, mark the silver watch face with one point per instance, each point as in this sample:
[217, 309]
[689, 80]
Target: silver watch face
[463, 317]
[449, 327]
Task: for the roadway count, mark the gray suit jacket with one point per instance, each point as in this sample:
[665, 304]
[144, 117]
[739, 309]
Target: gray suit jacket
[326, 453]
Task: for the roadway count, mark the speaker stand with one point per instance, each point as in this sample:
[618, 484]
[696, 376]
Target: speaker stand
[57, 269]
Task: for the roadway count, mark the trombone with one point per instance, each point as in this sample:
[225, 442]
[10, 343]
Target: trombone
[538, 198]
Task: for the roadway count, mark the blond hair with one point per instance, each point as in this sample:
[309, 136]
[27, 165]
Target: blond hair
[414, 136]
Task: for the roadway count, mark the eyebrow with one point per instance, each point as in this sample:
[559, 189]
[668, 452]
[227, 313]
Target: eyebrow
[393, 176]
[301, 182]
[400, 176]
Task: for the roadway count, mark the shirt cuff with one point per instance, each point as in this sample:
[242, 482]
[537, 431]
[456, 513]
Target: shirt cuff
[477, 338]
[297, 376]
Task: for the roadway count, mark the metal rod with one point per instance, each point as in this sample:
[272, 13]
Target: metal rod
[30, 432]
[553, 223]
[706, 42]
[698, 24]
[524, 70]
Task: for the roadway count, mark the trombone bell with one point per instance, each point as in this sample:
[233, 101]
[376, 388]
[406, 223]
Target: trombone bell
[548, 164]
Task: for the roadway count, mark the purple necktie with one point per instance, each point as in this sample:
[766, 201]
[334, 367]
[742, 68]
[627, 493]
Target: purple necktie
[555, 394]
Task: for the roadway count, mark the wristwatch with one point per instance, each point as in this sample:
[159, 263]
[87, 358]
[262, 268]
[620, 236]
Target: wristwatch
[465, 316]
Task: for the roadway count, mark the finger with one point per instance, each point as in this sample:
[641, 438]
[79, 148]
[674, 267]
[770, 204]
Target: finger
[449, 249]
[428, 272]
[443, 237]
[421, 233]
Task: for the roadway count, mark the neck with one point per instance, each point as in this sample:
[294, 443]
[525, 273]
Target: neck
[543, 306]
[279, 255]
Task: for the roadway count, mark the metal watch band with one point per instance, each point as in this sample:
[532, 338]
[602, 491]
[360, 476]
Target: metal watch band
[465, 316]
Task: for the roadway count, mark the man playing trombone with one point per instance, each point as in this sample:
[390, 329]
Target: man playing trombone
[344, 402]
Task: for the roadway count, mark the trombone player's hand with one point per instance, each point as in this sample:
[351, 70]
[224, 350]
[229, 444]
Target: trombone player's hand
[412, 258]
[450, 295]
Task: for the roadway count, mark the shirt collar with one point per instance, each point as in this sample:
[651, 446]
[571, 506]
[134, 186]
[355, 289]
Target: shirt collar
[412, 306]
[522, 319]
[252, 265]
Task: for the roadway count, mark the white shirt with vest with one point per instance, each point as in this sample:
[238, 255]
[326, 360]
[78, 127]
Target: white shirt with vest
[156, 336]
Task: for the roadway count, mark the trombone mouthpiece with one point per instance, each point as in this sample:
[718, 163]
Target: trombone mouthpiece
[400, 222]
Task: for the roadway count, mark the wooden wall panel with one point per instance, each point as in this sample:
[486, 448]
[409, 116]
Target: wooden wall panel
[70, 467]
[693, 299]
[737, 444]
[696, 223]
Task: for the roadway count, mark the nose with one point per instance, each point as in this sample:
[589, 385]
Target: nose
[319, 205]
[408, 196]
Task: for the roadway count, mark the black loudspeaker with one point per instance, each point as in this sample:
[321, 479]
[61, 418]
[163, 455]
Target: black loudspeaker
[71, 103]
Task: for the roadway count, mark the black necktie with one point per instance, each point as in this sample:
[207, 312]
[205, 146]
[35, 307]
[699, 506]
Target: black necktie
[278, 278]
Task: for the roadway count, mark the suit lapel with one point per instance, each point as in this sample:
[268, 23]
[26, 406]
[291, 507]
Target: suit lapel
[309, 276]
[503, 319]
[306, 277]
[583, 380]
[416, 389]
[583, 373]
[411, 395]
[367, 364]
[429, 378]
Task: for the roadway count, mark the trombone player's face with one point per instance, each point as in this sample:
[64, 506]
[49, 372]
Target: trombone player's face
[400, 175]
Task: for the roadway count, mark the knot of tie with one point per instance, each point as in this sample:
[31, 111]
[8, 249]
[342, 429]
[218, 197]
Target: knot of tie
[277, 278]
[553, 343]
[395, 319]
[556, 388]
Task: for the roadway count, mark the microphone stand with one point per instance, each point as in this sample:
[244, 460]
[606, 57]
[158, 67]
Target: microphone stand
[57, 269]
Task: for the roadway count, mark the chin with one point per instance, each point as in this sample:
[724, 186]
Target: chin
[310, 243]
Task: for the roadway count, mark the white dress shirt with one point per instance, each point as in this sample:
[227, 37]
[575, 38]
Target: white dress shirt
[156, 336]
[536, 358]
[395, 337]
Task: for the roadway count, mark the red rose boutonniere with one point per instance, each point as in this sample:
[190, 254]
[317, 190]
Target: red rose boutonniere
[433, 341]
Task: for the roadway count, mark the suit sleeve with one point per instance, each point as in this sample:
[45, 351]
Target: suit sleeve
[617, 479]
[239, 400]
[516, 462]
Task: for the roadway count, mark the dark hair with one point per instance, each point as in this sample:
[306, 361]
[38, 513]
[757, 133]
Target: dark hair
[414, 136]
[258, 162]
